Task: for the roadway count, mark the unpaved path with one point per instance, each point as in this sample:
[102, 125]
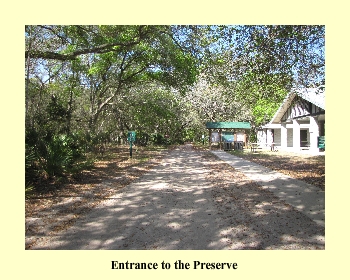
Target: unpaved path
[189, 201]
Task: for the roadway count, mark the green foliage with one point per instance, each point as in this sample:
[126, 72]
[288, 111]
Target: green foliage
[59, 155]
[264, 108]
[31, 172]
[158, 139]
[189, 135]
[57, 111]
[87, 85]
[263, 111]
[53, 155]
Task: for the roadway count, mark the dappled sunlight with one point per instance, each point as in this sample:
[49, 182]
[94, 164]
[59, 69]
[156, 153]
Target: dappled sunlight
[164, 210]
[286, 238]
[305, 167]
[304, 197]
[175, 225]
[159, 186]
[183, 204]
[258, 217]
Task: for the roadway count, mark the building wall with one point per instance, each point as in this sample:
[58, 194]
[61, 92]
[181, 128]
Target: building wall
[267, 136]
[277, 136]
[261, 136]
[264, 136]
[289, 137]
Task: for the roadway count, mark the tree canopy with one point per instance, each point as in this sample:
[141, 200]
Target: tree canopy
[91, 84]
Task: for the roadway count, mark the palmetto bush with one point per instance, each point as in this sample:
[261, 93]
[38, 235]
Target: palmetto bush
[48, 157]
[30, 171]
[59, 155]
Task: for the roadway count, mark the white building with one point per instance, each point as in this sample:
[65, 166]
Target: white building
[298, 124]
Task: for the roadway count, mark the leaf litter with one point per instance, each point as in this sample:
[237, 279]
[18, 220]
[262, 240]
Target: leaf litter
[258, 219]
[305, 167]
[50, 212]
[253, 217]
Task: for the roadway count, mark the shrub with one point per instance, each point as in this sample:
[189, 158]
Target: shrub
[61, 153]
[58, 155]
[31, 170]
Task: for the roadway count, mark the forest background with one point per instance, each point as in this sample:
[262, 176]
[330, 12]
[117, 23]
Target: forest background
[89, 85]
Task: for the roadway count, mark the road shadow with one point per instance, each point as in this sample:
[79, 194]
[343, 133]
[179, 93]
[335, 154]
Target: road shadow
[190, 202]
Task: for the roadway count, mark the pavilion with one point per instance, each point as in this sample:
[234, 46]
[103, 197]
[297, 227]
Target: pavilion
[228, 134]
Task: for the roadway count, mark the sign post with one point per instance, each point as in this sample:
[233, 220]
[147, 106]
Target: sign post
[131, 139]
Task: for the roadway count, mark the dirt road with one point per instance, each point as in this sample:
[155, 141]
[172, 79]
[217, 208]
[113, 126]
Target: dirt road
[189, 201]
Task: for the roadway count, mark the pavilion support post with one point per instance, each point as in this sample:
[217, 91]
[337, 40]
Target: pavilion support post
[245, 139]
[209, 139]
[220, 139]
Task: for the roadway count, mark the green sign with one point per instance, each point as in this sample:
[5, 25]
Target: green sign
[131, 136]
[321, 142]
[227, 136]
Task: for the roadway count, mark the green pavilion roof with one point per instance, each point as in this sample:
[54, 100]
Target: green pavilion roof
[245, 125]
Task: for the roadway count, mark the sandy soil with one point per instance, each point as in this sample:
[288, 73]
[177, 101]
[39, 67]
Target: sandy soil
[188, 200]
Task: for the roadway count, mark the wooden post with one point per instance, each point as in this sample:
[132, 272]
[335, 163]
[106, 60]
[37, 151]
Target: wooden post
[209, 139]
[245, 139]
[220, 133]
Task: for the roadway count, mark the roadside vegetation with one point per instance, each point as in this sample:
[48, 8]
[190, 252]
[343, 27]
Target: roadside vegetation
[87, 86]
[58, 201]
[112, 160]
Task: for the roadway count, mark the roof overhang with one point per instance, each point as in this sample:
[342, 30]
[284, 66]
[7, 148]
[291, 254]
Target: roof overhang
[313, 95]
[287, 102]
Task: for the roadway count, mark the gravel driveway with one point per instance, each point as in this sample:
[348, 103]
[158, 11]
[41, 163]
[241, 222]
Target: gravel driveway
[191, 200]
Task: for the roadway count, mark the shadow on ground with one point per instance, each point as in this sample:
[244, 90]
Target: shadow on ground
[190, 201]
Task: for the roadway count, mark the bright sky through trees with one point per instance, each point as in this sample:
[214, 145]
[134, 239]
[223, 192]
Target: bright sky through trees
[91, 84]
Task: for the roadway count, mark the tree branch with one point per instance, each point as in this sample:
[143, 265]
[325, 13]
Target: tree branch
[104, 48]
